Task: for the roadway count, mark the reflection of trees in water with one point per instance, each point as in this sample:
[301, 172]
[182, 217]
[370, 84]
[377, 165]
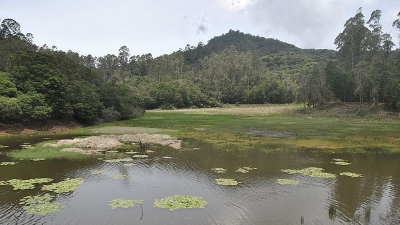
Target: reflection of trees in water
[377, 190]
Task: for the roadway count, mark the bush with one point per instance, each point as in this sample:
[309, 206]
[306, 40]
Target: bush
[110, 114]
[9, 109]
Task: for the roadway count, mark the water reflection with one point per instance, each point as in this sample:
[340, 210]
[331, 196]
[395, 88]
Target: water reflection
[257, 200]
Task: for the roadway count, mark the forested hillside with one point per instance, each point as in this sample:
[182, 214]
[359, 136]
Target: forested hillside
[38, 83]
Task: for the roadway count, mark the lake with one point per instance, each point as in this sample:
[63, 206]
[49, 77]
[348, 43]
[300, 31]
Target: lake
[373, 198]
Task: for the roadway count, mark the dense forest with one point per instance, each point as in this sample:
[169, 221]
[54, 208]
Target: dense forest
[38, 83]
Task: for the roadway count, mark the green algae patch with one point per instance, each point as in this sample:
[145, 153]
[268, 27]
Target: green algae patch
[245, 169]
[121, 203]
[287, 182]
[140, 156]
[227, 182]
[311, 172]
[342, 163]
[40, 204]
[19, 184]
[349, 174]
[180, 202]
[8, 163]
[219, 170]
[64, 186]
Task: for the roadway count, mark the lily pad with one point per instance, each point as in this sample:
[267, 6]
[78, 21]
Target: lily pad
[40, 204]
[121, 203]
[339, 160]
[227, 182]
[4, 146]
[219, 170]
[167, 157]
[180, 202]
[129, 164]
[96, 172]
[38, 159]
[287, 182]
[64, 186]
[342, 163]
[140, 156]
[349, 174]
[7, 163]
[245, 169]
[310, 171]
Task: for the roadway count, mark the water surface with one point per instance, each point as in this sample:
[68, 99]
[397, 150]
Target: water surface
[257, 200]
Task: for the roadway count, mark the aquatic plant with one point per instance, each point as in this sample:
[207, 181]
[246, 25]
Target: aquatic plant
[140, 156]
[38, 159]
[118, 160]
[245, 169]
[287, 182]
[63, 186]
[310, 171]
[40, 204]
[95, 172]
[349, 174]
[219, 170]
[167, 157]
[332, 211]
[342, 163]
[7, 163]
[180, 202]
[121, 203]
[129, 164]
[4, 146]
[339, 160]
[227, 182]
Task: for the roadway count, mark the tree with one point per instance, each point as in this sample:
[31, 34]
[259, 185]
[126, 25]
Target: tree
[396, 24]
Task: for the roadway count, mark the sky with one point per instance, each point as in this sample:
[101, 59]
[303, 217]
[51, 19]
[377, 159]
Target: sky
[100, 27]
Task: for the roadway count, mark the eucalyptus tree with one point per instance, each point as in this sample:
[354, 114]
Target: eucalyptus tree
[396, 24]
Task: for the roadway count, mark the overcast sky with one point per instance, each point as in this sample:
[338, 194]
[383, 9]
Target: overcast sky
[101, 27]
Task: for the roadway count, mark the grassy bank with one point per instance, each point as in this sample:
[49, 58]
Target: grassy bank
[272, 125]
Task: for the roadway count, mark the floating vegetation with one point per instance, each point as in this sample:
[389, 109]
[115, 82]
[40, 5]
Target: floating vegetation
[118, 160]
[219, 170]
[4, 146]
[245, 169]
[38, 159]
[150, 151]
[112, 151]
[96, 172]
[140, 156]
[132, 153]
[167, 157]
[287, 182]
[120, 176]
[129, 164]
[196, 148]
[339, 160]
[64, 186]
[46, 138]
[121, 203]
[342, 163]
[40, 204]
[7, 163]
[25, 146]
[349, 174]
[310, 171]
[332, 211]
[19, 184]
[180, 202]
[227, 182]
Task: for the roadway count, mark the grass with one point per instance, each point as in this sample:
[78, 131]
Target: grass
[231, 126]
[40, 152]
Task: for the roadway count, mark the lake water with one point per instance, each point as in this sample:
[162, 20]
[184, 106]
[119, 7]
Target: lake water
[258, 199]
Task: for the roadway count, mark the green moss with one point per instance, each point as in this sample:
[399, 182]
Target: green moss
[180, 202]
[349, 174]
[121, 203]
[65, 186]
[40, 204]
[227, 182]
[310, 171]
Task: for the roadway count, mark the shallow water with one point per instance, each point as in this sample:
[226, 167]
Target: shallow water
[257, 200]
